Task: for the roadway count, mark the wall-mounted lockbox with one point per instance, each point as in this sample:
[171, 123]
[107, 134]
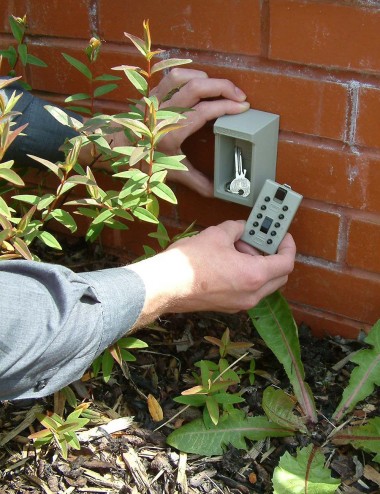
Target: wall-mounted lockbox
[255, 135]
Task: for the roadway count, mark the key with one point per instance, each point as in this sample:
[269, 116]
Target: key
[240, 184]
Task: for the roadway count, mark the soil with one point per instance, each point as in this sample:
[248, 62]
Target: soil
[138, 460]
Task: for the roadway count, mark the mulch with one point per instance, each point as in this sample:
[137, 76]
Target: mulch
[133, 457]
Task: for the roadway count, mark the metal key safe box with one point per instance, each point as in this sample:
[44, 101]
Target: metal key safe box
[255, 134]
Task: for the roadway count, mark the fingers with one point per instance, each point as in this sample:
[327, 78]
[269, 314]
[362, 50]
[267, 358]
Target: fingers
[199, 88]
[175, 79]
[193, 179]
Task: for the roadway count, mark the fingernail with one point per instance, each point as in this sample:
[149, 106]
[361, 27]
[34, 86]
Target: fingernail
[239, 93]
[244, 105]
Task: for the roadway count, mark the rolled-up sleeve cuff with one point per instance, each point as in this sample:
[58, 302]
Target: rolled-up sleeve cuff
[122, 295]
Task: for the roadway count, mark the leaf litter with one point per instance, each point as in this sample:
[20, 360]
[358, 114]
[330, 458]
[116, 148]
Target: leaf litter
[123, 448]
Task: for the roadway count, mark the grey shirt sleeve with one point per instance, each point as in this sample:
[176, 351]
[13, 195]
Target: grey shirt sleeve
[54, 322]
[44, 134]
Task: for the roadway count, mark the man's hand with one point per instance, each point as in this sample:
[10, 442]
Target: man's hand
[212, 271]
[209, 99]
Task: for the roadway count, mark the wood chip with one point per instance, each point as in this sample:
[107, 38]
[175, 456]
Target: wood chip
[137, 470]
[28, 420]
[371, 474]
[182, 484]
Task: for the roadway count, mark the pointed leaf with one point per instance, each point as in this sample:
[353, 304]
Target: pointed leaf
[102, 90]
[48, 239]
[169, 62]
[274, 322]
[232, 429]
[77, 97]
[278, 407]
[21, 247]
[144, 215]
[65, 219]
[33, 60]
[305, 473]
[83, 69]
[364, 377]
[63, 117]
[164, 192]
[11, 176]
[137, 80]
[366, 437]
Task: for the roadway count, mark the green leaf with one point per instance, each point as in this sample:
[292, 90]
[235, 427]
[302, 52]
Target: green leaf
[102, 90]
[11, 55]
[131, 342]
[21, 247]
[192, 400]
[63, 117]
[364, 377]
[137, 80]
[305, 473]
[144, 215]
[83, 69]
[213, 409]
[23, 52]
[65, 219]
[195, 438]
[169, 62]
[107, 77]
[365, 437]
[169, 162]
[164, 192]
[138, 42]
[48, 239]
[278, 407]
[77, 97]
[274, 322]
[4, 209]
[107, 365]
[51, 166]
[33, 60]
[17, 29]
[103, 216]
[11, 176]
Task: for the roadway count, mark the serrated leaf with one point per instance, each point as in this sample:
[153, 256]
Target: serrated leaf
[232, 429]
[365, 437]
[83, 69]
[274, 322]
[305, 473]
[364, 377]
[278, 407]
[169, 62]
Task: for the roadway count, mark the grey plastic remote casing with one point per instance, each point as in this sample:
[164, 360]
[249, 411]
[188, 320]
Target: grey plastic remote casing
[271, 216]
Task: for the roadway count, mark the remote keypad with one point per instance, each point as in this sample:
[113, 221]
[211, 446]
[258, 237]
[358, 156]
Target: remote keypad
[271, 216]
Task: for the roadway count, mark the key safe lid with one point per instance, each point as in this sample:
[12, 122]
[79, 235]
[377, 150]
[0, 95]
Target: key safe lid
[255, 133]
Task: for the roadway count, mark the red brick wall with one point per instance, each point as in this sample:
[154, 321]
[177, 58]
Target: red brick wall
[316, 64]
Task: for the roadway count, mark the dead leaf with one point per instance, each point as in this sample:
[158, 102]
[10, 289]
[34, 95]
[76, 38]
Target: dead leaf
[155, 409]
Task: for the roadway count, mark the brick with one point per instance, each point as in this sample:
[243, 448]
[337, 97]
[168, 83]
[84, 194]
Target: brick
[363, 244]
[350, 294]
[60, 77]
[8, 8]
[316, 232]
[305, 105]
[327, 174]
[367, 120]
[323, 324]
[325, 34]
[70, 18]
[211, 25]
[372, 193]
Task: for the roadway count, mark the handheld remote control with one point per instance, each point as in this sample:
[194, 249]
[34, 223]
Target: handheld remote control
[271, 216]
